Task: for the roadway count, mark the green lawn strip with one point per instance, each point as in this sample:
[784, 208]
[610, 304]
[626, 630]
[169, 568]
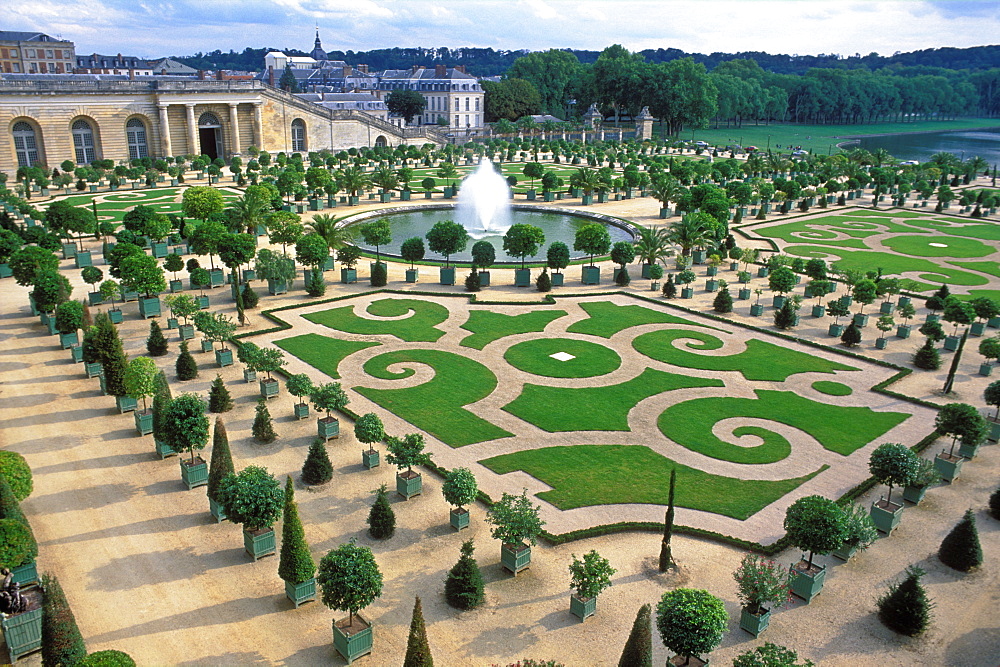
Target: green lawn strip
[849, 225]
[840, 429]
[988, 293]
[419, 327]
[587, 475]
[436, 406]
[591, 359]
[890, 264]
[759, 361]
[984, 232]
[920, 246]
[487, 326]
[991, 268]
[606, 319]
[560, 409]
[832, 388]
[321, 352]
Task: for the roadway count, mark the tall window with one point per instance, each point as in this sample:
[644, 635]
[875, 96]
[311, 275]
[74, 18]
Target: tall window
[25, 144]
[456, 104]
[135, 130]
[466, 103]
[298, 135]
[83, 142]
[477, 104]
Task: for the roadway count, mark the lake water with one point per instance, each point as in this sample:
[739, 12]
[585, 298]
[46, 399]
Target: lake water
[984, 143]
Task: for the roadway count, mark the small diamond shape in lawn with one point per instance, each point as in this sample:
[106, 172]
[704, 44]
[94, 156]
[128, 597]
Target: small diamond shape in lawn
[562, 356]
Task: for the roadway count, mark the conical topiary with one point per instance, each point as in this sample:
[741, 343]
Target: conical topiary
[317, 285]
[669, 288]
[960, 548]
[219, 399]
[995, 504]
[472, 281]
[381, 518]
[295, 564]
[187, 367]
[250, 298]
[221, 463]
[156, 344]
[905, 608]
[544, 281]
[418, 651]
[463, 589]
[851, 336]
[263, 429]
[62, 643]
[161, 399]
[638, 651]
[723, 302]
[927, 357]
[622, 278]
[317, 469]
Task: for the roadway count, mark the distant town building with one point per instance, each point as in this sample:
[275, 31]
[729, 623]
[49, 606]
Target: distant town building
[119, 64]
[171, 67]
[35, 53]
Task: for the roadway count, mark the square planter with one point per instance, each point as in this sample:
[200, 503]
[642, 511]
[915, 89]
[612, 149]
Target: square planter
[95, 298]
[459, 518]
[903, 331]
[370, 458]
[914, 494]
[522, 277]
[249, 375]
[948, 466]
[994, 426]
[807, 584]
[994, 323]
[348, 276]
[835, 330]
[698, 256]
[887, 308]
[143, 421]
[756, 310]
[711, 285]
[300, 411]
[762, 272]
[881, 343]
[162, 450]
[50, 323]
[755, 623]
[104, 385]
[159, 250]
[446, 275]
[259, 543]
[68, 250]
[83, 259]
[207, 345]
[224, 357]
[712, 271]
[328, 427]
[149, 307]
[202, 301]
[886, 515]
[590, 275]
[268, 387]
[968, 451]
[409, 484]
[218, 513]
[25, 575]
[23, 632]
[778, 302]
[484, 278]
[515, 557]
[93, 370]
[352, 641]
[186, 331]
[977, 328]
[194, 474]
[5, 271]
[176, 286]
[951, 343]
[582, 608]
[300, 593]
[218, 277]
[129, 296]
[933, 317]
[845, 552]
[860, 320]
[277, 286]
[743, 294]
[126, 404]
[687, 292]
[819, 311]
[69, 340]
[411, 275]
[77, 353]
[558, 279]
[847, 300]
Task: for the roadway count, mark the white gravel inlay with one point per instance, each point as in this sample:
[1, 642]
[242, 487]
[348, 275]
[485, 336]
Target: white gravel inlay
[938, 245]
[562, 356]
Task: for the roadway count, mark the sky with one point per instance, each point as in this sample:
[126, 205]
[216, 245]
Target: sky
[146, 28]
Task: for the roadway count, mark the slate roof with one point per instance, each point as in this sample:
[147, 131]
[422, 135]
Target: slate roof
[18, 36]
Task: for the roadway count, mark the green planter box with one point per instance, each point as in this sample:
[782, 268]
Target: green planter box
[968, 451]
[711, 285]
[698, 256]
[23, 632]
[886, 515]
[950, 467]
[93, 370]
[104, 386]
[300, 411]
[590, 275]
[977, 328]
[933, 317]
[743, 294]
[411, 275]
[582, 608]
[763, 272]
[143, 421]
[202, 301]
[77, 353]
[126, 403]
[994, 426]
[259, 543]
[218, 512]
[176, 286]
[881, 343]
[994, 323]
[687, 292]
[328, 427]
[249, 375]
[587, 200]
[887, 308]
[348, 276]
[819, 311]
[95, 298]
[300, 593]
[128, 295]
[409, 484]
[459, 518]
[186, 331]
[352, 642]
[484, 278]
[50, 323]
[522, 277]
[951, 343]
[712, 271]
[446, 275]
[69, 340]
[558, 279]
[370, 458]
[914, 494]
[515, 557]
[194, 474]
[25, 575]
[224, 357]
[860, 320]
[5, 271]
[68, 250]
[845, 552]
[149, 307]
[159, 250]
[903, 331]
[277, 286]
[206, 345]
[807, 585]
[81, 259]
[218, 277]
[756, 310]
[847, 300]
[116, 316]
[754, 623]
[268, 387]
[835, 330]
[162, 450]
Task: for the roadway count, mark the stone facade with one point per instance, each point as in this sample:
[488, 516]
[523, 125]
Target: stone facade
[35, 53]
[174, 120]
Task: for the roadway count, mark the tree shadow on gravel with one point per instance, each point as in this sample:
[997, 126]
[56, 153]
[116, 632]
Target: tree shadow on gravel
[324, 654]
[25, 351]
[57, 417]
[963, 651]
[28, 400]
[126, 573]
[174, 522]
[234, 659]
[52, 379]
[92, 497]
[100, 462]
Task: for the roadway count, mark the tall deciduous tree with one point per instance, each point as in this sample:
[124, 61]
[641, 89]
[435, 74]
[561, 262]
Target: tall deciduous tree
[406, 103]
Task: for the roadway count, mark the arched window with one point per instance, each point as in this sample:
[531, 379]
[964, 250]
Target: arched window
[83, 142]
[135, 130]
[208, 120]
[25, 144]
[298, 135]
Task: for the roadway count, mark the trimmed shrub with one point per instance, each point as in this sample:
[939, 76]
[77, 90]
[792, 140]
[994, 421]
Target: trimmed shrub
[156, 344]
[669, 288]
[770, 655]
[250, 298]
[219, 399]
[317, 468]
[905, 607]
[463, 589]
[691, 622]
[380, 275]
[296, 564]
[15, 468]
[9, 507]
[263, 429]
[995, 504]
[851, 336]
[221, 463]
[472, 281]
[960, 548]
[543, 283]
[638, 651]
[381, 518]
[109, 658]
[317, 285]
[623, 279]
[927, 357]
[17, 544]
[723, 302]
[62, 643]
[186, 366]
[418, 651]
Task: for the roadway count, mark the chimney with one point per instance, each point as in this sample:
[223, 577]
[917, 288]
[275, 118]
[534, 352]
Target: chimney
[201, 75]
[220, 75]
[440, 71]
[131, 74]
[460, 68]
[348, 70]
[363, 69]
[270, 75]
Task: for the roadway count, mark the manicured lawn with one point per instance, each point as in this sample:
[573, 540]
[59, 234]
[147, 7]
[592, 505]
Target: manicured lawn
[436, 406]
[606, 319]
[590, 359]
[558, 409]
[322, 353]
[487, 327]
[832, 388]
[840, 429]
[419, 326]
[921, 246]
[587, 475]
[864, 260]
[759, 361]
[112, 206]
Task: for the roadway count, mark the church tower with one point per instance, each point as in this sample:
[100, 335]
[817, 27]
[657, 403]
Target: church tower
[318, 53]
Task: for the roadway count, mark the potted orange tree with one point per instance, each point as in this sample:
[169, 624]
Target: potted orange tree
[350, 581]
[407, 452]
[327, 398]
[814, 524]
[890, 463]
[185, 429]
[960, 421]
[515, 521]
[253, 498]
[299, 385]
[690, 622]
[368, 429]
[140, 382]
[588, 577]
[459, 489]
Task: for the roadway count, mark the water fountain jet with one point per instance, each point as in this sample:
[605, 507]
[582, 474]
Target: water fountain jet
[484, 203]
